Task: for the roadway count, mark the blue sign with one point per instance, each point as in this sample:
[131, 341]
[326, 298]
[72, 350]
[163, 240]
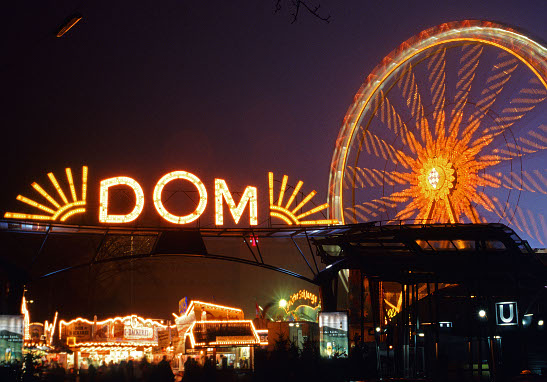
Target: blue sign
[183, 305]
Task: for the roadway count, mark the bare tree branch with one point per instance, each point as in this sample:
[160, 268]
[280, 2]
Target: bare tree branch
[295, 7]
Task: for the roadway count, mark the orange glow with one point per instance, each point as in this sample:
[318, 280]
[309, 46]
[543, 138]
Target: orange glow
[26, 319]
[194, 302]
[143, 321]
[519, 47]
[104, 217]
[59, 211]
[256, 339]
[73, 21]
[184, 175]
[288, 216]
[249, 196]
[71, 184]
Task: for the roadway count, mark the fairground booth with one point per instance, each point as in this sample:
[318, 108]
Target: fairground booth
[113, 339]
[211, 331]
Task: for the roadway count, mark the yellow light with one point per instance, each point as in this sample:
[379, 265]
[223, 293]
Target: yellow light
[282, 192]
[184, 175]
[270, 186]
[194, 302]
[73, 212]
[289, 216]
[283, 303]
[293, 195]
[84, 183]
[104, 217]
[304, 201]
[61, 211]
[45, 194]
[249, 196]
[34, 204]
[71, 184]
[312, 211]
[57, 187]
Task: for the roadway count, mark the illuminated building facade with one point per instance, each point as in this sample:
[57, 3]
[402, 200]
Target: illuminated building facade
[217, 331]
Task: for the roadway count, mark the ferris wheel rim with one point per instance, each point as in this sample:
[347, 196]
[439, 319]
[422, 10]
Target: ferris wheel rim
[509, 39]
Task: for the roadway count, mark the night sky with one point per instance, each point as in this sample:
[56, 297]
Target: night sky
[223, 89]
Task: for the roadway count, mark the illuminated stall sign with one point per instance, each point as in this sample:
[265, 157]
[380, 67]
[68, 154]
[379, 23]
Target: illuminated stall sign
[303, 296]
[142, 333]
[59, 204]
[136, 330]
[81, 331]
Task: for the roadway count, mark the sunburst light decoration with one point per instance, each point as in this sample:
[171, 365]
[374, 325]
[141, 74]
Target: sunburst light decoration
[290, 216]
[58, 210]
[450, 128]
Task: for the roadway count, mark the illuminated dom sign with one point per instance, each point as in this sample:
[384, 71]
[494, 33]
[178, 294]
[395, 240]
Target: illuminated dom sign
[60, 207]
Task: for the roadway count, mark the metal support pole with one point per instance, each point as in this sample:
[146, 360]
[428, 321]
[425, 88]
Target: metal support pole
[362, 302]
[406, 330]
[437, 350]
[470, 334]
[416, 328]
[430, 313]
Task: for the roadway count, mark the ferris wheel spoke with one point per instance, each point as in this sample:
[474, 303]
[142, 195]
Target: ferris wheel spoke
[387, 114]
[537, 139]
[526, 100]
[378, 147]
[408, 211]
[411, 93]
[471, 212]
[524, 219]
[488, 180]
[371, 177]
[500, 74]
[525, 182]
[533, 141]
[349, 214]
[373, 209]
[468, 62]
[437, 79]
[483, 200]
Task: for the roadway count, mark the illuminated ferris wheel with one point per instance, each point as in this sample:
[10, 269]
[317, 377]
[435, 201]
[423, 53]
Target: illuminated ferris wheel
[450, 127]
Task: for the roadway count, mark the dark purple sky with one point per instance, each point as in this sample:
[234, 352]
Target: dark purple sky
[222, 89]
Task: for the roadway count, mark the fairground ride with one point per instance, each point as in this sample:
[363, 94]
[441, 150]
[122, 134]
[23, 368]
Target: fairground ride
[449, 128]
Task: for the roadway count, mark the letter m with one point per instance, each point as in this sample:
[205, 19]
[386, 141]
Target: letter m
[249, 196]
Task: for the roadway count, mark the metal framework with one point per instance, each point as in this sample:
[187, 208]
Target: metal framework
[117, 244]
[402, 253]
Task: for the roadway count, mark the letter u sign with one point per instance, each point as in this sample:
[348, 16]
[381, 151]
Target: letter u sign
[506, 313]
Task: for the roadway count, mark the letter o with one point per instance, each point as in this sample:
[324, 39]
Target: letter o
[174, 218]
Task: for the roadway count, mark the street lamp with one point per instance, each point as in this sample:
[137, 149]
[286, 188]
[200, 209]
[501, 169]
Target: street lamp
[482, 313]
[283, 303]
